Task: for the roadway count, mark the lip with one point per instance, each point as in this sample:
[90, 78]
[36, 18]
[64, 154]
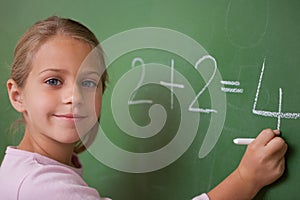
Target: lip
[71, 116]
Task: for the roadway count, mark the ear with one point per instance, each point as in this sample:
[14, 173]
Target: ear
[15, 95]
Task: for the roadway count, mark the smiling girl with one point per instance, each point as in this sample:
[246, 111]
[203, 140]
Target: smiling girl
[57, 80]
[59, 93]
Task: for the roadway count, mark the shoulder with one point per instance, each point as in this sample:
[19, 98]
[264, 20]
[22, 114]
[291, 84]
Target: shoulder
[55, 182]
[203, 196]
[25, 175]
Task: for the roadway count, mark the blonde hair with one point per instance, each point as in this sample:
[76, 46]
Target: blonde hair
[37, 35]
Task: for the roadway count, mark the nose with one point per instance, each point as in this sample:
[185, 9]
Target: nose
[72, 95]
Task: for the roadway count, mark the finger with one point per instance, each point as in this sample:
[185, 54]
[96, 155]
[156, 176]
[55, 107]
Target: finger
[281, 166]
[265, 137]
[277, 146]
[277, 132]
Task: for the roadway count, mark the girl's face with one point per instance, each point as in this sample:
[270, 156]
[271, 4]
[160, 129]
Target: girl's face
[62, 95]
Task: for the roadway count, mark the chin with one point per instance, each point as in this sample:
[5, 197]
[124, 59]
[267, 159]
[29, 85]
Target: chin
[67, 136]
[69, 140]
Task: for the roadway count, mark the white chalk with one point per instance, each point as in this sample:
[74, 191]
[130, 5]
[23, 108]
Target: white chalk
[243, 141]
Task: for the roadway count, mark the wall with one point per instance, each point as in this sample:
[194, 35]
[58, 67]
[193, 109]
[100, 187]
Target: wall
[192, 48]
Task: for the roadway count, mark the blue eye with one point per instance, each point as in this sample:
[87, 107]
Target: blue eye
[89, 84]
[54, 82]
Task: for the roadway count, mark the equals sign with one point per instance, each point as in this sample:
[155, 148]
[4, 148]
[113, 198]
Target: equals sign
[231, 89]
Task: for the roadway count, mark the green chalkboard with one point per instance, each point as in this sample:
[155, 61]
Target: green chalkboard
[186, 78]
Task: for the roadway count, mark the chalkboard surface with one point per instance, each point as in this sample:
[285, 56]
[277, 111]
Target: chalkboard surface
[186, 78]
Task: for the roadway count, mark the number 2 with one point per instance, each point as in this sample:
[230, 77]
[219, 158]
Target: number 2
[202, 110]
[142, 101]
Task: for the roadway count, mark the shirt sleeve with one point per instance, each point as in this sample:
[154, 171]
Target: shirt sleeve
[201, 197]
[56, 183]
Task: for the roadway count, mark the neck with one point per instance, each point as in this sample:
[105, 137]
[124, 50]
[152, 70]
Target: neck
[47, 147]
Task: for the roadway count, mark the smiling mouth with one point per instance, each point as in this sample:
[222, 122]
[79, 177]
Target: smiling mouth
[72, 117]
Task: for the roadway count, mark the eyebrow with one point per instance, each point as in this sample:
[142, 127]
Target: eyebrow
[87, 72]
[91, 72]
[53, 70]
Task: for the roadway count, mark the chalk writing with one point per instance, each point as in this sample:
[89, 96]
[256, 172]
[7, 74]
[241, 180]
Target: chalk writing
[202, 110]
[235, 83]
[278, 114]
[172, 84]
[143, 101]
[231, 90]
[279, 109]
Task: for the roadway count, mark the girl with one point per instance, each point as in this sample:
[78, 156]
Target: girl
[57, 81]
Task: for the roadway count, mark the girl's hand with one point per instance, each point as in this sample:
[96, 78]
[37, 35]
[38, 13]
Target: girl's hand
[263, 161]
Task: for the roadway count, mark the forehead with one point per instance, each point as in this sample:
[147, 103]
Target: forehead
[65, 52]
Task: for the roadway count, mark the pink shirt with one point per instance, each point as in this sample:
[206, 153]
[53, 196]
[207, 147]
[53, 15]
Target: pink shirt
[25, 176]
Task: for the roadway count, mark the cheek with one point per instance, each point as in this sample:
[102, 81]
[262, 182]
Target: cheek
[93, 101]
[38, 104]
[98, 104]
